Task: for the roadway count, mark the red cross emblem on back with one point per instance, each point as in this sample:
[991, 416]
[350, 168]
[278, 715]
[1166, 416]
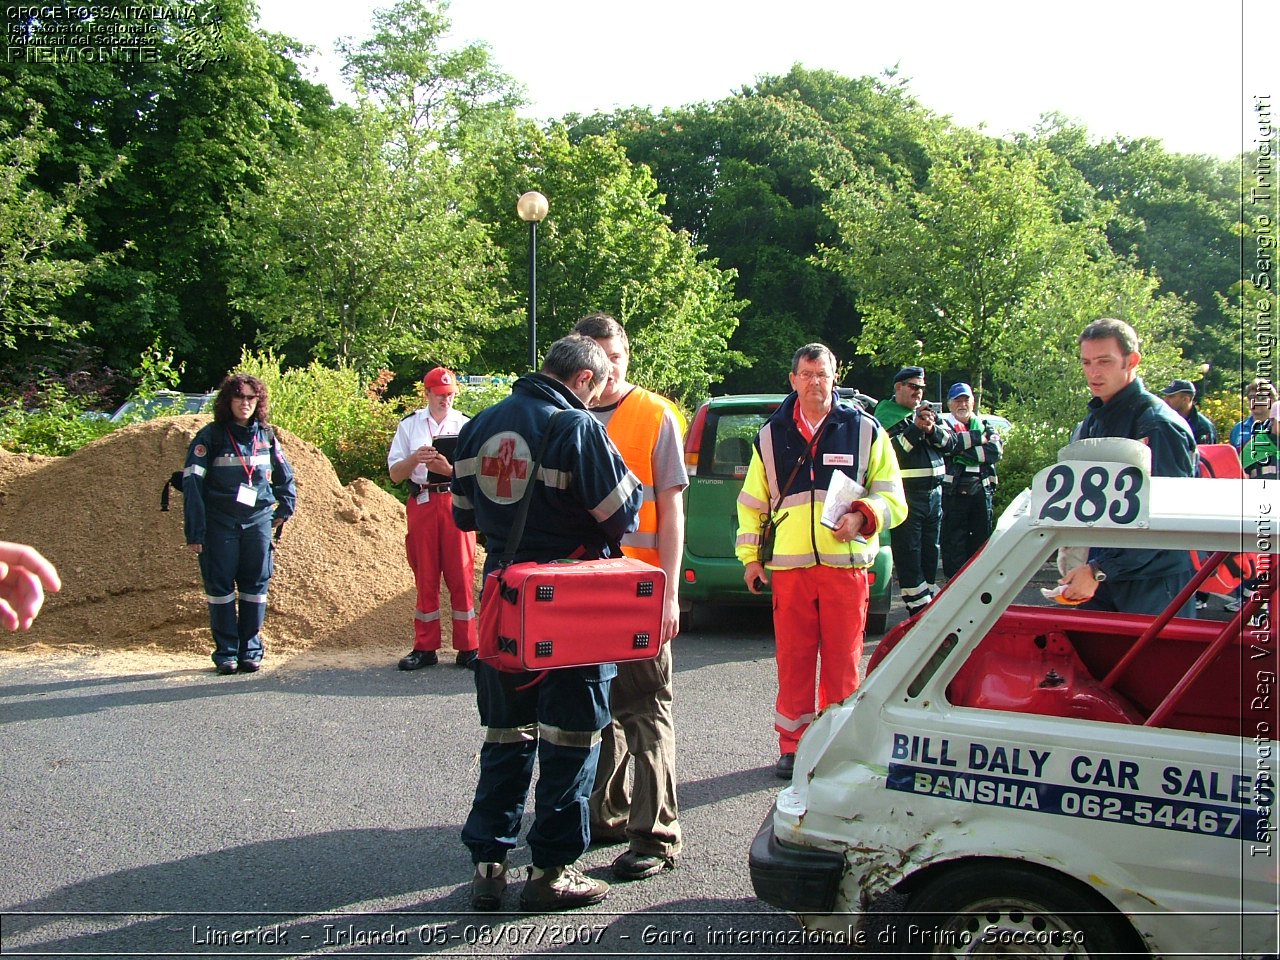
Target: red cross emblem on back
[504, 467]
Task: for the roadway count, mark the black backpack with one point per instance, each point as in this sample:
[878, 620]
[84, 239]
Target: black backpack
[173, 483]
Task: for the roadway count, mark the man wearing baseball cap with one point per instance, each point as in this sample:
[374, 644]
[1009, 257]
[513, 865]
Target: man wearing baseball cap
[919, 440]
[970, 480]
[1181, 396]
[434, 544]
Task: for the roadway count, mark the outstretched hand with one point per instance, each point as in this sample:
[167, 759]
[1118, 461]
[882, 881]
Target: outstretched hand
[24, 577]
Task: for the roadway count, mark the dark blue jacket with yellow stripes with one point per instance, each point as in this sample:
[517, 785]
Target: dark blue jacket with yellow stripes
[920, 454]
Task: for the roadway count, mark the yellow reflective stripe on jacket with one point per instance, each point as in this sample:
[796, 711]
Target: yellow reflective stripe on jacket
[634, 429]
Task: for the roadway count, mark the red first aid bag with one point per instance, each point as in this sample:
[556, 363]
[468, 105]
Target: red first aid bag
[1221, 460]
[571, 613]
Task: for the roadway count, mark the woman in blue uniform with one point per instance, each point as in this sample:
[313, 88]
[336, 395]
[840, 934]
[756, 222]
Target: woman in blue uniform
[237, 486]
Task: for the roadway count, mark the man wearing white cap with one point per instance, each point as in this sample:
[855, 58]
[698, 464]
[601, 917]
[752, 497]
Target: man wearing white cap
[970, 480]
[434, 544]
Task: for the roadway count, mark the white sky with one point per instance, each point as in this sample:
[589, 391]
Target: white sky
[1185, 72]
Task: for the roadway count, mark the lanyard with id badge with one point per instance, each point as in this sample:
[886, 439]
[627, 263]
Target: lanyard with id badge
[247, 494]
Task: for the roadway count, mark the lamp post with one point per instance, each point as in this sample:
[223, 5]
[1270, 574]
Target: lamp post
[532, 207]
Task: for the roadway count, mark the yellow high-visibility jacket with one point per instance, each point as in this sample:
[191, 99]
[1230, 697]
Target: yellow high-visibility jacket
[849, 441]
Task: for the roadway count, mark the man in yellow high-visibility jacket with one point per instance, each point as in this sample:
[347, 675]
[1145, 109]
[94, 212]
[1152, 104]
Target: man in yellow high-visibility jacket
[821, 549]
[646, 430]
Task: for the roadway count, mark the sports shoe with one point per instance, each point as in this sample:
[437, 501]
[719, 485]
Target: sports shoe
[1232, 605]
[785, 766]
[465, 658]
[1202, 604]
[488, 885]
[228, 668]
[417, 659]
[561, 888]
[632, 865]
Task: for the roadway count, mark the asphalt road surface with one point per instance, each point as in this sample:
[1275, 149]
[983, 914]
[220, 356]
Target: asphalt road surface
[315, 810]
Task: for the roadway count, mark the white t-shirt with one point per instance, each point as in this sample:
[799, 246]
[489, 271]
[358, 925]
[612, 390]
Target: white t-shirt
[420, 429]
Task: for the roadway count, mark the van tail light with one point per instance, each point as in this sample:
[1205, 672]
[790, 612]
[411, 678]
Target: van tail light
[693, 440]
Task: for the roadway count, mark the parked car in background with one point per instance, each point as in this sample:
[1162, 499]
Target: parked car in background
[717, 453]
[163, 403]
[995, 420]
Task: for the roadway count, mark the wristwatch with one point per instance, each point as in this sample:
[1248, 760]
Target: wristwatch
[1098, 575]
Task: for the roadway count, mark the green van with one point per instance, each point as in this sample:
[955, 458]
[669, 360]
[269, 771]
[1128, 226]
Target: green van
[717, 453]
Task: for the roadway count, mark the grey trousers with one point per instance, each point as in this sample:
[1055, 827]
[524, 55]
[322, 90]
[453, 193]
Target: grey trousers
[645, 810]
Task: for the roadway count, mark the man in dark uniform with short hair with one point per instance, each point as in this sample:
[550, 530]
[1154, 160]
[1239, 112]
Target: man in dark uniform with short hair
[919, 439]
[583, 500]
[1181, 396]
[1130, 581]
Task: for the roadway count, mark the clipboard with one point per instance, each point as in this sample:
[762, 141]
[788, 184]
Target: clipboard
[448, 446]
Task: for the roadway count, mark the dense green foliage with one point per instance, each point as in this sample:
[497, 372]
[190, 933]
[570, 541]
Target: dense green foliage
[606, 246]
[210, 201]
[1028, 449]
[338, 410]
[59, 426]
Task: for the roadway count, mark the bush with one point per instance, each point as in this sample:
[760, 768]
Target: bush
[474, 397]
[1224, 409]
[346, 418]
[80, 368]
[60, 425]
[1029, 447]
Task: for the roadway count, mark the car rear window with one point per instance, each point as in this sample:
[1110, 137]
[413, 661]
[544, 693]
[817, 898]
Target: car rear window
[726, 442]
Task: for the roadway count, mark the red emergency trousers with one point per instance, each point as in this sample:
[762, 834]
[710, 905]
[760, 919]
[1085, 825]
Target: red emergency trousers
[436, 547]
[816, 610]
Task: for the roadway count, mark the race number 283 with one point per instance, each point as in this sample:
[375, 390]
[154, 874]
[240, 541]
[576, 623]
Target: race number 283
[1098, 494]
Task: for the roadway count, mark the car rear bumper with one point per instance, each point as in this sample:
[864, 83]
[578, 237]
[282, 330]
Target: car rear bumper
[795, 879]
[718, 579]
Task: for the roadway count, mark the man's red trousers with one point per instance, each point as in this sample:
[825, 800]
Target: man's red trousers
[436, 547]
[819, 614]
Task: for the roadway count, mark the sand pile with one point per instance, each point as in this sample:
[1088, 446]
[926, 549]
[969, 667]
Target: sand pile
[130, 582]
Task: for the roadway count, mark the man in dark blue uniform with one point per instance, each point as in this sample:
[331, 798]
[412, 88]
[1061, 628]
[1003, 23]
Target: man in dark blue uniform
[583, 500]
[1181, 396]
[1130, 581]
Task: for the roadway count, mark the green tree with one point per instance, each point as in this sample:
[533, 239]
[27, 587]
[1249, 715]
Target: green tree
[37, 234]
[346, 256]
[749, 176]
[1176, 216]
[951, 272]
[195, 125]
[437, 95]
[605, 245]
[1040, 371]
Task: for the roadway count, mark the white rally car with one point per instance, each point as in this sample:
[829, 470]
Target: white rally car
[1037, 779]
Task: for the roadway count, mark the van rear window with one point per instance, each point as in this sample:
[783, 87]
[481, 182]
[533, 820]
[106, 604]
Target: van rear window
[726, 443]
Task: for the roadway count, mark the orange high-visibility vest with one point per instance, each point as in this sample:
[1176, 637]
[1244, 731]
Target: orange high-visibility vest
[634, 429]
